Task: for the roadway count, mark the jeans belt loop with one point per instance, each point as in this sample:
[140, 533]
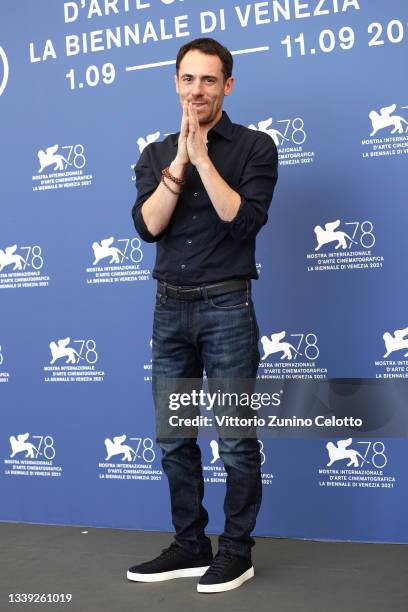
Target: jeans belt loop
[164, 295]
[204, 293]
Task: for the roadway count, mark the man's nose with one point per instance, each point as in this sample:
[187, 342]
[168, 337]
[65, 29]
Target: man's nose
[197, 88]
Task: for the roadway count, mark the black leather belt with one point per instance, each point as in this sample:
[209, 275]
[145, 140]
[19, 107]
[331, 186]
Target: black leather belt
[196, 293]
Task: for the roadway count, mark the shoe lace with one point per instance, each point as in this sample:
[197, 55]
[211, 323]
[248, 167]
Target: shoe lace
[220, 562]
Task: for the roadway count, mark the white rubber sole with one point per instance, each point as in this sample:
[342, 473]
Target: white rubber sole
[226, 586]
[189, 572]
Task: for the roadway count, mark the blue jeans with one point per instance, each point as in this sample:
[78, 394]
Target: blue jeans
[219, 334]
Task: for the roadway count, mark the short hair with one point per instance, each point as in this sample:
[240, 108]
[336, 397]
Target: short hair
[210, 46]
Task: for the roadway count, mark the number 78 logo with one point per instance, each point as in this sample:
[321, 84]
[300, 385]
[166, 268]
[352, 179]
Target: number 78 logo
[291, 130]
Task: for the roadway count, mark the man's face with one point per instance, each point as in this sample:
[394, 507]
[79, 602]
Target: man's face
[201, 81]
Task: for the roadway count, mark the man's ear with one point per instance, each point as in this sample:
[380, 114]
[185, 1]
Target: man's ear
[176, 82]
[229, 84]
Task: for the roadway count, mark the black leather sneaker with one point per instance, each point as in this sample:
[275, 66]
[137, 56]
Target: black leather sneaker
[226, 572]
[173, 562]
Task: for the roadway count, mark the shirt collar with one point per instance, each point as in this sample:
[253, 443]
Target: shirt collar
[223, 127]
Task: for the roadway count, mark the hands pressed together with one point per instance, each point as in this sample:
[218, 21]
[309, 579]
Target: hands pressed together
[191, 144]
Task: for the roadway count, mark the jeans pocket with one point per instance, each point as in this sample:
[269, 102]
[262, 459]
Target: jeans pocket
[230, 301]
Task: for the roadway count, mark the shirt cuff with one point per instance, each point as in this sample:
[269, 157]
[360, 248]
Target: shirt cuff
[142, 228]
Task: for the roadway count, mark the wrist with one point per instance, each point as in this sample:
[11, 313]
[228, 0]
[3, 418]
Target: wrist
[203, 164]
[178, 168]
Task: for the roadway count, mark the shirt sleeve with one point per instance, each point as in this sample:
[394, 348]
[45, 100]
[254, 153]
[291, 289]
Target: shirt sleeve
[146, 184]
[256, 189]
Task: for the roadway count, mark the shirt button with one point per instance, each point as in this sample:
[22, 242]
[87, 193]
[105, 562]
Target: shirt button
[195, 195]
[194, 216]
[183, 266]
[189, 241]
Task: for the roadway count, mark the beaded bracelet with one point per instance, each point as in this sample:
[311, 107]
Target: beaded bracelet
[165, 184]
[166, 173]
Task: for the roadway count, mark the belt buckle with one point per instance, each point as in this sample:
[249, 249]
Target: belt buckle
[180, 291]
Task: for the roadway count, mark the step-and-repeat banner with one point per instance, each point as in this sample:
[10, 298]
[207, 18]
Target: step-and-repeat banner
[85, 86]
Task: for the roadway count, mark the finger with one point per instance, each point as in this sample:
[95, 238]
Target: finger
[184, 119]
[192, 122]
[196, 121]
[193, 113]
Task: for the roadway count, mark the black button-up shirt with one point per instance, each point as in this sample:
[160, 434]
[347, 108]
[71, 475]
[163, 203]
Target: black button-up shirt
[197, 246]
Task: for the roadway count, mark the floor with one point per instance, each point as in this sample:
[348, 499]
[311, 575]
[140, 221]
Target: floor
[290, 575]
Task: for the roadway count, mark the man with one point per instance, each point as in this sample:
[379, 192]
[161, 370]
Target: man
[203, 195]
